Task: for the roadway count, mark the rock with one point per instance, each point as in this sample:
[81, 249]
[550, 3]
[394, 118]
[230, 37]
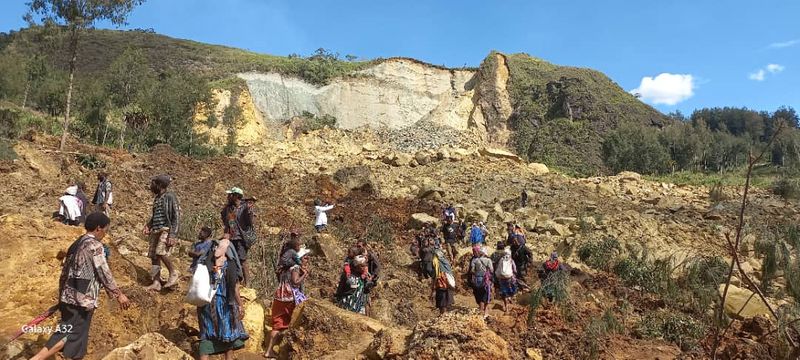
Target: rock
[590, 221]
[456, 336]
[477, 215]
[402, 159]
[566, 220]
[629, 176]
[461, 152]
[150, 346]
[325, 246]
[538, 169]
[498, 210]
[369, 147]
[253, 320]
[605, 189]
[354, 177]
[388, 344]
[388, 159]
[430, 191]
[533, 354]
[499, 154]
[422, 158]
[442, 154]
[419, 220]
[653, 200]
[553, 228]
[737, 298]
[713, 215]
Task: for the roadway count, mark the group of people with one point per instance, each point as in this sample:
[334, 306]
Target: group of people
[73, 205]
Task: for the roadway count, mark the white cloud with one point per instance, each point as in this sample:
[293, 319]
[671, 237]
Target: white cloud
[784, 44]
[758, 75]
[775, 68]
[666, 88]
[761, 74]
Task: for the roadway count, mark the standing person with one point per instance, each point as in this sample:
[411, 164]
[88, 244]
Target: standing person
[103, 197]
[81, 195]
[69, 207]
[449, 213]
[509, 232]
[373, 265]
[84, 271]
[290, 291]
[523, 198]
[441, 289]
[351, 294]
[506, 273]
[461, 231]
[321, 221]
[220, 322]
[163, 231]
[481, 271]
[238, 220]
[449, 234]
[426, 258]
[200, 247]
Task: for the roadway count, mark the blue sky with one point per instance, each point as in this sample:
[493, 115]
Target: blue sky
[678, 54]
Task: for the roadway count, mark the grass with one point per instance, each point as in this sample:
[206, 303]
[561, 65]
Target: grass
[763, 177]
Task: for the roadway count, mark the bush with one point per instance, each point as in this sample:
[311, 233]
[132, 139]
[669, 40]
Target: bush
[716, 195]
[786, 188]
[380, 229]
[649, 275]
[7, 150]
[555, 288]
[701, 278]
[675, 327]
[600, 254]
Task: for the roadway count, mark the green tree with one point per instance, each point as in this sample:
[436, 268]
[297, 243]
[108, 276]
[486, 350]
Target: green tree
[635, 147]
[128, 80]
[35, 71]
[231, 118]
[77, 16]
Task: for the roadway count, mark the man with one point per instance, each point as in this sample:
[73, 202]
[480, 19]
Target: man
[103, 197]
[524, 198]
[85, 269]
[163, 231]
[81, 195]
[321, 221]
[449, 234]
[449, 213]
[238, 219]
[520, 253]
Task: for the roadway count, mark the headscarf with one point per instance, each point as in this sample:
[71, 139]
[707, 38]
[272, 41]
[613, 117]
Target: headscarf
[440, 263]
[72, 190]
[476, 250]
[360, 260]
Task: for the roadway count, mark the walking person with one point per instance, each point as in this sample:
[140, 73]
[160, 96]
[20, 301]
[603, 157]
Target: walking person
[442, 283]
[523, 198]
[238, 220]
[519, 252]
[449, 233]
[352, 292]
[220, 322]
[81, 195]
[481, 271]
[506, 273]
[163, 231]
[290, 291]
[85, 270]
[103, 196]
[321, 221]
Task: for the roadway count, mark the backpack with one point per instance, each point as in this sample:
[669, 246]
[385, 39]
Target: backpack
[505, 270]
[476, 235]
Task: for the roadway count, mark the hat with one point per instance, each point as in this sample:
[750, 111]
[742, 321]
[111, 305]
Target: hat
[303, 252]
[72, 190]
[235, 190]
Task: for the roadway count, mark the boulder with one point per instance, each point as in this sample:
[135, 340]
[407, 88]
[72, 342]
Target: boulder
[498, 210]
[422, 158]
[499, 154]
[325, 246]
[553, 228]
[605, 189]
[369, 147]
[354, 177]
[629, 176]
[533, 354]
[419, 220]
[456, 336]
[477, 215]
[430, 191]
[442, 154]
[253, 320]
[388, 344]
[150, 346]
[738, 298]
[566, 220]
[402, 159]
[538, 169]
[713, 215]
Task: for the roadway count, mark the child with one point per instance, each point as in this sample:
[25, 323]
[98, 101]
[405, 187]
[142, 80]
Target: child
[200, 247]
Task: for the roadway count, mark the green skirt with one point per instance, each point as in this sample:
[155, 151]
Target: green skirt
[212, 347]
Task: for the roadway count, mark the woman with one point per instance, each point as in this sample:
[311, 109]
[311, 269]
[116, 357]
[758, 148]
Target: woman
[290, 291]
[221, 329]
[481, 270]
[70, 207]
[441, 289]
[506, 278]
[351, 293]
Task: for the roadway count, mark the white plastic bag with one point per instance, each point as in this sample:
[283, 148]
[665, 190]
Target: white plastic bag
[451, 281]
[200, 290]
[505, 269]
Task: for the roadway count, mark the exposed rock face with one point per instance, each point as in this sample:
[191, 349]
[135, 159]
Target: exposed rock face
[253, 320]
[251, 130]
[395, 94]
[492, 102]
[151, 346]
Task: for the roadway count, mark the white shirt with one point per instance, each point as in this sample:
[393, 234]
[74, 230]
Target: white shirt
[322, 217]
[70, 207]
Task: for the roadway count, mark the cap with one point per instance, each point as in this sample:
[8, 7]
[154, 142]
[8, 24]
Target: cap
[235, 190]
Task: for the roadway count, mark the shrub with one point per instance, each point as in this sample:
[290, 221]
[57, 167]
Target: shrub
[90, 161]
[650, 275]
[380, 229]
[7, 150]
[701, 278]
[675, 327]
[600, 254]
[716, 195]
[555, 288]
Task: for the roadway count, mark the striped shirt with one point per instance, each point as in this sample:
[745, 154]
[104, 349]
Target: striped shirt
[159, 220]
